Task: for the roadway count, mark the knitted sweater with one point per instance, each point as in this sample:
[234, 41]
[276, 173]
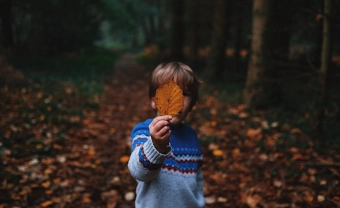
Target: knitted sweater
[171, 180]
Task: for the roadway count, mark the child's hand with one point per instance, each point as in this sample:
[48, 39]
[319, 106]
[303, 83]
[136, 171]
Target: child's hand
[160, 132]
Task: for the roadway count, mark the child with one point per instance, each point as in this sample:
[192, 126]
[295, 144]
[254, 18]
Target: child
[166, 157]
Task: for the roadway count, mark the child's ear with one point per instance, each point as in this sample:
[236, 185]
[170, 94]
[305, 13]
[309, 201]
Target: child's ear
[153, 104]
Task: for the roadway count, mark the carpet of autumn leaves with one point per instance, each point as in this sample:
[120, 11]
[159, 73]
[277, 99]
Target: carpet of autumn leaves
[72, 159]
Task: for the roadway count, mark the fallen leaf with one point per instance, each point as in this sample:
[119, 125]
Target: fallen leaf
[213, 111]
[252, 201]
[277, 183]
[241, 107]
[68, 90]
[24, 192]
[312, 171]
[169, 99]
[323, 182]
[115, 180]
[46, 203]
[112, 203]
[109, 194]
[124, 159]
[49, 192]
[321, 198]
[218, 153]
[213, 146]
[309, 198]
[86, 200]
[210, 199]
[61, 158]
[48, 171]
[46, 184]
[274, 124]
[15, 197]
[34, 161]
[243, 115]
[254, 133]
[334, 171]
[296, 131]
[222, 199]
[236, 152]
[47, 161]
[129, 196]
[56, 146]
[263, 157]
[91, 152]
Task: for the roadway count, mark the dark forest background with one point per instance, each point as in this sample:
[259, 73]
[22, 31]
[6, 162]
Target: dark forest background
[280, 59]
[273, 50]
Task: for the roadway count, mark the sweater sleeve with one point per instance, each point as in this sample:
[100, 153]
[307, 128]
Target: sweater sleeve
[145, 161]
[200, 180]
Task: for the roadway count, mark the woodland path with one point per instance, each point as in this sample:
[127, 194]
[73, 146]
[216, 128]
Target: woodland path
[107, 132]
[247, 161]
[237, 172]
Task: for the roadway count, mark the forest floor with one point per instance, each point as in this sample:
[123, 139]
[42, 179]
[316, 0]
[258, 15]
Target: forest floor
[248, 162]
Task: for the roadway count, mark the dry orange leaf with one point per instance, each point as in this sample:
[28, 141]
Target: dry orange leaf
[309, 198]
[48, 171]
[169, 99]
[253, 132]
[236, 152]
[24, 192]
[49, 192]
[252, 201]
[86, 200]
[46, 184]
[218, 153]
[91, 152]
[15, 197]
[56, 180]
[124, 159]
[46, 203]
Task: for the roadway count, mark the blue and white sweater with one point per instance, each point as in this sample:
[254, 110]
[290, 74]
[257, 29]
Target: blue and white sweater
[171, 180]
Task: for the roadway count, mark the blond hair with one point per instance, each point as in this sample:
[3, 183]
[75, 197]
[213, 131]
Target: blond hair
[181, 73]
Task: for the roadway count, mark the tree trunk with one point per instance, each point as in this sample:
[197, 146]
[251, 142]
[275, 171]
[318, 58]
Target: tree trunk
[216, 61]
[238, 36]
[280, 25]
[151, 20]
[326, 55]
[193, 34]
[270, 45]
[177, 28]
[6, 23]
[258, 66]
[145, 30]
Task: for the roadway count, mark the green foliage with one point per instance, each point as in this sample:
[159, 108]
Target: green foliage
[120, 14]
[142, 59]
[61, 25]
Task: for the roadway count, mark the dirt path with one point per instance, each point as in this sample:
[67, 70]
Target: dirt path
[87, 165]
[107, 133]
[247, 161]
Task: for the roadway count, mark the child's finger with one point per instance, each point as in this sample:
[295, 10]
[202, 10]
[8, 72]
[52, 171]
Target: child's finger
[164, 130]
[158, 126]
[159, 123]
[166, 136]
[160, 118]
